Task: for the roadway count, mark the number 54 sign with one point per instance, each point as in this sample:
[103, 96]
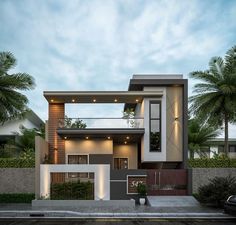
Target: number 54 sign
[133, 181]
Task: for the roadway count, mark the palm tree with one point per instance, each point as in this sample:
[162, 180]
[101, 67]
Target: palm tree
[215, 99]
[198, 135]
[12, 102]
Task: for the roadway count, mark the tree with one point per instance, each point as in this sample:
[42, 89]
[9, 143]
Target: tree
[26, 138]
[12, 102]
[198, 135]
[215, 99]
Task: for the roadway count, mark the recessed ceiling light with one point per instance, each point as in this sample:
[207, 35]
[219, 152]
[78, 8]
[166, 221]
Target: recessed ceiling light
[136, 100]
[115, 100]
[52, 100]
[73, 100]
[65, 137]
[94, 100]
[87, 138]
[109, 138]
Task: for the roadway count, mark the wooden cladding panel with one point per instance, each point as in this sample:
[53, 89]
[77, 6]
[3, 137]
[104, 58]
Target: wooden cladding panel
[56, 143]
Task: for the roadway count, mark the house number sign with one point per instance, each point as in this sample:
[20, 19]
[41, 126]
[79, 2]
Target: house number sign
[133, 182]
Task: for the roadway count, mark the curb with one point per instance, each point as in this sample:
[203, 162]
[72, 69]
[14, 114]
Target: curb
[78, 215]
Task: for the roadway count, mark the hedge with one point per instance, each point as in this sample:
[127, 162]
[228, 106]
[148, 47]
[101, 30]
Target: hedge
[16, 163]
[72, 190]
[17, 198]
[212, 163]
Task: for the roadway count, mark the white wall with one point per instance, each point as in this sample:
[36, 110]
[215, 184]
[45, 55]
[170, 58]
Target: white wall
[146, 155]
[10, 127]
[101, 177]
[88, 146]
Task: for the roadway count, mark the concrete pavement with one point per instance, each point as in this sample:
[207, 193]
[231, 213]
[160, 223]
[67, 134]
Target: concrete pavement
[26, 211]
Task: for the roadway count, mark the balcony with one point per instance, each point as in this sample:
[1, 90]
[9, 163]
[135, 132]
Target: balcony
[100, 123]
[114, 128]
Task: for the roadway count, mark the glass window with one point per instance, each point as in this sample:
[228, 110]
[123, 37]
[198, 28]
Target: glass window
[155, 110]
[220, 148]
[77, 159]
[232, 148]
[120, 163]
[155, 126]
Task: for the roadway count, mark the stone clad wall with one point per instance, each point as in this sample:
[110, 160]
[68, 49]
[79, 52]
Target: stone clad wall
[17, 180]
[201, 176]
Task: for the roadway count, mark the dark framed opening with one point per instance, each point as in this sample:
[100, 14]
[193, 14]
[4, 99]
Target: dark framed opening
[155, 126]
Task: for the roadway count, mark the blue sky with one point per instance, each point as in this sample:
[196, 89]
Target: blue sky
[99, 45]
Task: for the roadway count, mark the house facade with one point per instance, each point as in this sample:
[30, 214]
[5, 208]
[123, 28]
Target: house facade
[216, 147]
[147, 145]
[11, 129]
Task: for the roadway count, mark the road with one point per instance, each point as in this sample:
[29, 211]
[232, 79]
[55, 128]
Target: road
[115, 222]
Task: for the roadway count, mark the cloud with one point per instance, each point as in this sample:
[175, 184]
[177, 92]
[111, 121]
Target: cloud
[98, 45]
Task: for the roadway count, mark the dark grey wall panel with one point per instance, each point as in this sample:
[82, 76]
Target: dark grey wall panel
[122, 174]
[100, 159]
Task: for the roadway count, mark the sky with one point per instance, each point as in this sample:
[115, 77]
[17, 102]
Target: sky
[100, 44]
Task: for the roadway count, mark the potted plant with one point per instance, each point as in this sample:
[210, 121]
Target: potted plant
[142, 191]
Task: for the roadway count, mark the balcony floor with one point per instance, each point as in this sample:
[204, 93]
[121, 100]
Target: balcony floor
[117, 134]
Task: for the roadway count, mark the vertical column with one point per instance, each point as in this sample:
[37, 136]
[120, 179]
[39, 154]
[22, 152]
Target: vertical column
[56, 143]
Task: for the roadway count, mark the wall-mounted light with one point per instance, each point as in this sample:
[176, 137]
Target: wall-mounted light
[136, 100]
[115, 100]
[52, 100]
[65, 138]
[94, 100]
[55, 155]
[109, 138]
[86, 138]
[127, 137]
[125, 142]
[73, 100]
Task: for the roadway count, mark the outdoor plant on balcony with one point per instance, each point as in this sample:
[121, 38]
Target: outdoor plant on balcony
[129, 115]
[68, 123]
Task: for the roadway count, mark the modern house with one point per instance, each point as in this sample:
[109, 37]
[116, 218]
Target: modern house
[148, 145]
[11, 129]
[216, 146]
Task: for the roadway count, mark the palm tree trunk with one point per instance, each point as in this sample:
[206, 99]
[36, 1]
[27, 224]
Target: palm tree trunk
[226, 149]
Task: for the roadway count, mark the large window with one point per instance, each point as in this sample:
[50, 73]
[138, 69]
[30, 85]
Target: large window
[232, 148]
[155, 126]
[120, 163]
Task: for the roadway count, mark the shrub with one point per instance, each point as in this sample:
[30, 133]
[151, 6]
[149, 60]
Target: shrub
[16, 163]
[142, 189]
[218, 162]
[17, 198]
[217, 191]
[72, 190]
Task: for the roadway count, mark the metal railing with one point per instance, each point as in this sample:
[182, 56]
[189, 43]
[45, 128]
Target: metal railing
[84, 123]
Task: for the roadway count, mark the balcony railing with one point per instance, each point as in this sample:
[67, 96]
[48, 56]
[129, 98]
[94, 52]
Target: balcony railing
[103, 123]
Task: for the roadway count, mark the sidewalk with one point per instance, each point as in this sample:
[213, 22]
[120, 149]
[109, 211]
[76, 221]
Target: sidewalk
[26, 211]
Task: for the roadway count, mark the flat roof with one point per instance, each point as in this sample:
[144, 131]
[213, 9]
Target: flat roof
[158, 76]
[132, 97]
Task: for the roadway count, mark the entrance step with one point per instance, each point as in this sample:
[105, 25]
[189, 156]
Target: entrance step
[172, 201]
